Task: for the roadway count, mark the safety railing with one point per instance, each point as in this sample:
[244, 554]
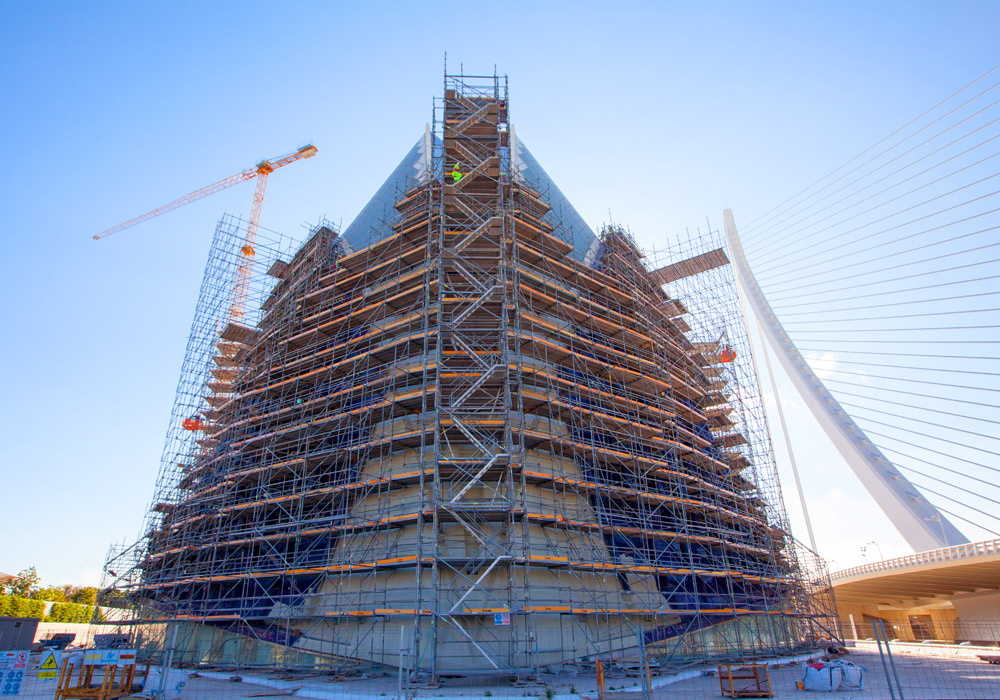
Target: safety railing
[955, 553]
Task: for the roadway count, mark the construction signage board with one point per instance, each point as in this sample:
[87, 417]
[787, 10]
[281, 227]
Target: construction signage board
[501, 619]
[48, 667]
[109, 657]
[13, 664]
[92, 657]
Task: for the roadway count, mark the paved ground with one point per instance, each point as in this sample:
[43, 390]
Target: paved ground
[923, 674]
[923, 677]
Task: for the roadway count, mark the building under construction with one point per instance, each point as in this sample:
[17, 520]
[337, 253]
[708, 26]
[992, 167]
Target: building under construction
[469, 436]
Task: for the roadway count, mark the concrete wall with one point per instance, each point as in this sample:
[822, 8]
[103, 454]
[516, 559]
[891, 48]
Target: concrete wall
[895, 620]
[16, 633]
[979, 616]
[972, 617]
[978, 607]
[84, 632]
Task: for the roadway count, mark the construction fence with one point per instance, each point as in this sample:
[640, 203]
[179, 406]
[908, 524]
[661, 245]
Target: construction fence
[879, 669]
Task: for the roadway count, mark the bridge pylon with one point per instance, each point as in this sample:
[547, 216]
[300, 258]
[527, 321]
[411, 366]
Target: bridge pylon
[921, 524]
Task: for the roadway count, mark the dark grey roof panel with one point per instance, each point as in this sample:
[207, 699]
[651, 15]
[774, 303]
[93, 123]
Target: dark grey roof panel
[375, 221]
[569, 225]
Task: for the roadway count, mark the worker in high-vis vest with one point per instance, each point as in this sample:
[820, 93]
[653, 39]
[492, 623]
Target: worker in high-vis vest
[456, 174]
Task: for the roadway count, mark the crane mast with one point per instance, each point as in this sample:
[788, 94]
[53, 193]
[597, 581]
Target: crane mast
[241, 286]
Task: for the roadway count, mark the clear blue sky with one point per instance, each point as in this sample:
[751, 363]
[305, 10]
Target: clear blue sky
[661, 113]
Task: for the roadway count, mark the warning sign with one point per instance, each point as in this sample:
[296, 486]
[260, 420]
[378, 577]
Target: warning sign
[48, 668]
[501, 619]
[12, 667]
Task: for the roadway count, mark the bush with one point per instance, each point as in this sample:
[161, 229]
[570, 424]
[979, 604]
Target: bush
[70, 612]
[16, 606]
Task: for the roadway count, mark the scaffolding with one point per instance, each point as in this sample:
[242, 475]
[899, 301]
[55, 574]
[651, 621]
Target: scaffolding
[462, 451]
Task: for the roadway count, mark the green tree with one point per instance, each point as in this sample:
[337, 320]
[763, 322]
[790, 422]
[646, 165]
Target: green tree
[25, 583]
[84, 596]
[50, 593]
[114, 598]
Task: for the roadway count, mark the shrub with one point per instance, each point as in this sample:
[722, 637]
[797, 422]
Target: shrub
[70, 612]
[16, 606]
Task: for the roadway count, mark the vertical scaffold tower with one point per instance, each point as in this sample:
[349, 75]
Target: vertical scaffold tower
[468, 448]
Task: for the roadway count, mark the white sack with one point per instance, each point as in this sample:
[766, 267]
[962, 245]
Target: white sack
[171, 691]
[827, 679]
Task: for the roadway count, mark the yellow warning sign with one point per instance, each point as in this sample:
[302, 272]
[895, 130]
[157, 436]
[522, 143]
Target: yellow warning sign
[48, 669]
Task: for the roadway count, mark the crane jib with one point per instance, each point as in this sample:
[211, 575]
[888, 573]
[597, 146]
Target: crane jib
[264, 167]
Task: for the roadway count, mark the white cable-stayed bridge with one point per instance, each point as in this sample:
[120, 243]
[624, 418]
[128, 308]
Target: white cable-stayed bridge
[878, 289]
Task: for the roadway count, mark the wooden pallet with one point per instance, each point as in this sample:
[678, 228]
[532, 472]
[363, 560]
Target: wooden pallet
[96, 682]
[745, 681]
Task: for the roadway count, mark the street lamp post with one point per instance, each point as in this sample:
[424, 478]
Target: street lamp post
[878, 546]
